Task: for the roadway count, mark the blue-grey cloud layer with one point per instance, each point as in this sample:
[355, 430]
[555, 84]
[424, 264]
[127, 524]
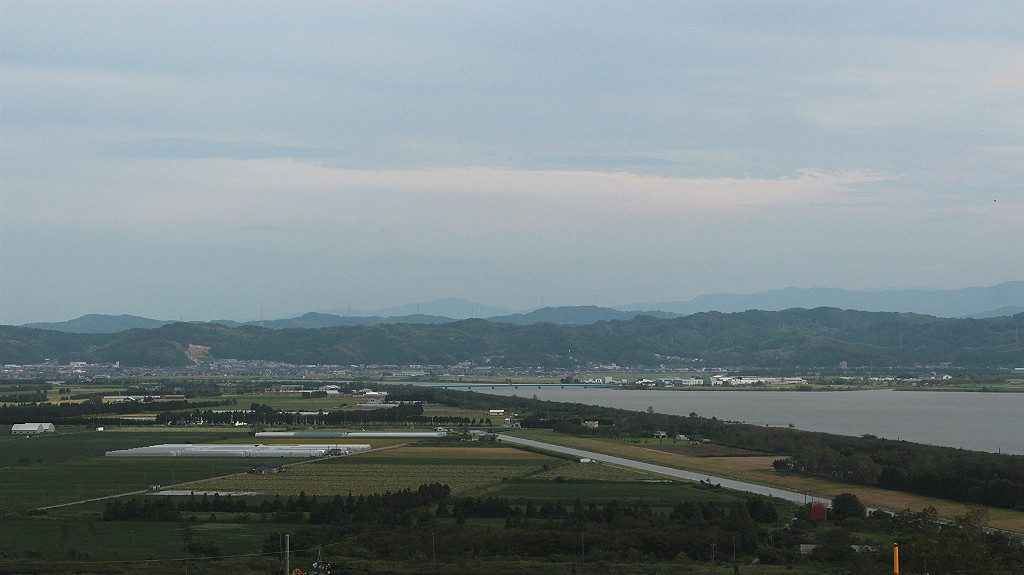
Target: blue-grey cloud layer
[212, 159]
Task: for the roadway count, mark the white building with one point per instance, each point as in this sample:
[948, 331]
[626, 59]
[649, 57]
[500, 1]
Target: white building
[32, 428]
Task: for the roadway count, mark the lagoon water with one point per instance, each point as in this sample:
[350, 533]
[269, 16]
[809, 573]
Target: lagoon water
[979, 421]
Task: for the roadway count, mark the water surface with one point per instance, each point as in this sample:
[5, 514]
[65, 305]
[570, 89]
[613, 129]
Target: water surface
[972, 420]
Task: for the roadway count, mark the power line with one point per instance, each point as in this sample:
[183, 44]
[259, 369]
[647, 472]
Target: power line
[118, 561]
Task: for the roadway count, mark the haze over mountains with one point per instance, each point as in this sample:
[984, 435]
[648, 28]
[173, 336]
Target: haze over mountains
[990, 301]
[976, 302]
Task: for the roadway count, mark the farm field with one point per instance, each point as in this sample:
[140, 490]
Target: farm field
[595, 472]
[293, 402]
[373, 442]
[681, 447]
[76, 443]
[79, 538]
[52, 483]
[758, 469]
[69, 465]
[461, 468]
[665, 491]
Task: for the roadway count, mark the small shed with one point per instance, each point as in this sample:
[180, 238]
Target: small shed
[660, 434]
[32, 428]
[267, 469]
[819, 511]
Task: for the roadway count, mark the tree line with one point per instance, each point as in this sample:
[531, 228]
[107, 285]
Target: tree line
[85, 412]
[261, 414]
[413, 524]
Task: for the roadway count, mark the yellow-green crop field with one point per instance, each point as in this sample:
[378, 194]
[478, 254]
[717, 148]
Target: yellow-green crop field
[462, 469]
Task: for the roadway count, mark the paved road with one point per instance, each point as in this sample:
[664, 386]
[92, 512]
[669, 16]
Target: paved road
[669, 471]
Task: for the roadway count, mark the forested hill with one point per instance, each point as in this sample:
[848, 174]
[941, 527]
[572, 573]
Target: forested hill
[789, 338]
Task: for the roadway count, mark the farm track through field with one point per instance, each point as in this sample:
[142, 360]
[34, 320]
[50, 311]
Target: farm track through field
[144, 491]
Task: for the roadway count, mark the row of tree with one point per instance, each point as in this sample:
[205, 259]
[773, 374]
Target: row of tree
[262, 414]
[87, 411]
[412, 525]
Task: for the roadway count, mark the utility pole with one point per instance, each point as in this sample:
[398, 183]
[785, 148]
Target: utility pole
[433, 550]
[583, 551]
[287, 555]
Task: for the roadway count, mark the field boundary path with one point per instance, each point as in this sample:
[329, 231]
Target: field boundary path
[144, 491]
[669, 471]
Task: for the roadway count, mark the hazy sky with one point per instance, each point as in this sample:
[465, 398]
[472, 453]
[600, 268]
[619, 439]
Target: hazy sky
[212, 160]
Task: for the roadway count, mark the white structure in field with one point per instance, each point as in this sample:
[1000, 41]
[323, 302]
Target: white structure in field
[229, 450]
[354, 434]
[32, 428]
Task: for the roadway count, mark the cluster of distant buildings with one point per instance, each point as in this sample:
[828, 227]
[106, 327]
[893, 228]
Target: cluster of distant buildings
[718, 380]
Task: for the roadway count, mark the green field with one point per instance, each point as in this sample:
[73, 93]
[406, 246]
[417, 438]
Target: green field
[42, 484]
[462, 469]
[70, 466]
[293, 402]
[596, 472]
[76, 443]
[65, 538]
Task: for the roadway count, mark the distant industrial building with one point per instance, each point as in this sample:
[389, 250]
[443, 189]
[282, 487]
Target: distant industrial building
[32, 428]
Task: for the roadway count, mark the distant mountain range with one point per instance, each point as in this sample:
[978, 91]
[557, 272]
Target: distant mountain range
[820, 337]
[576, 315]
[976, 302]
[101, 323]
[1002, 299]
[452, 308]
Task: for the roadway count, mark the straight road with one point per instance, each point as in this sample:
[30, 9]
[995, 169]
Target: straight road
[669, 471]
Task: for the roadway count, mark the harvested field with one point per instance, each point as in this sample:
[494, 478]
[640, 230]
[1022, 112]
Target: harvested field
[663, 491]
[705, 450]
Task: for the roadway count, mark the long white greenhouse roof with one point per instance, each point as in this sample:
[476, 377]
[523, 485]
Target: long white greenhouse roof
[235, 450]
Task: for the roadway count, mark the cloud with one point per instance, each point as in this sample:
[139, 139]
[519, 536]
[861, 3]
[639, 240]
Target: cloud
[198, 148]
[276, 191]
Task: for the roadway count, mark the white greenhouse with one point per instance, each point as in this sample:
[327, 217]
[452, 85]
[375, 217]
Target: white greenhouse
[32, 428]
